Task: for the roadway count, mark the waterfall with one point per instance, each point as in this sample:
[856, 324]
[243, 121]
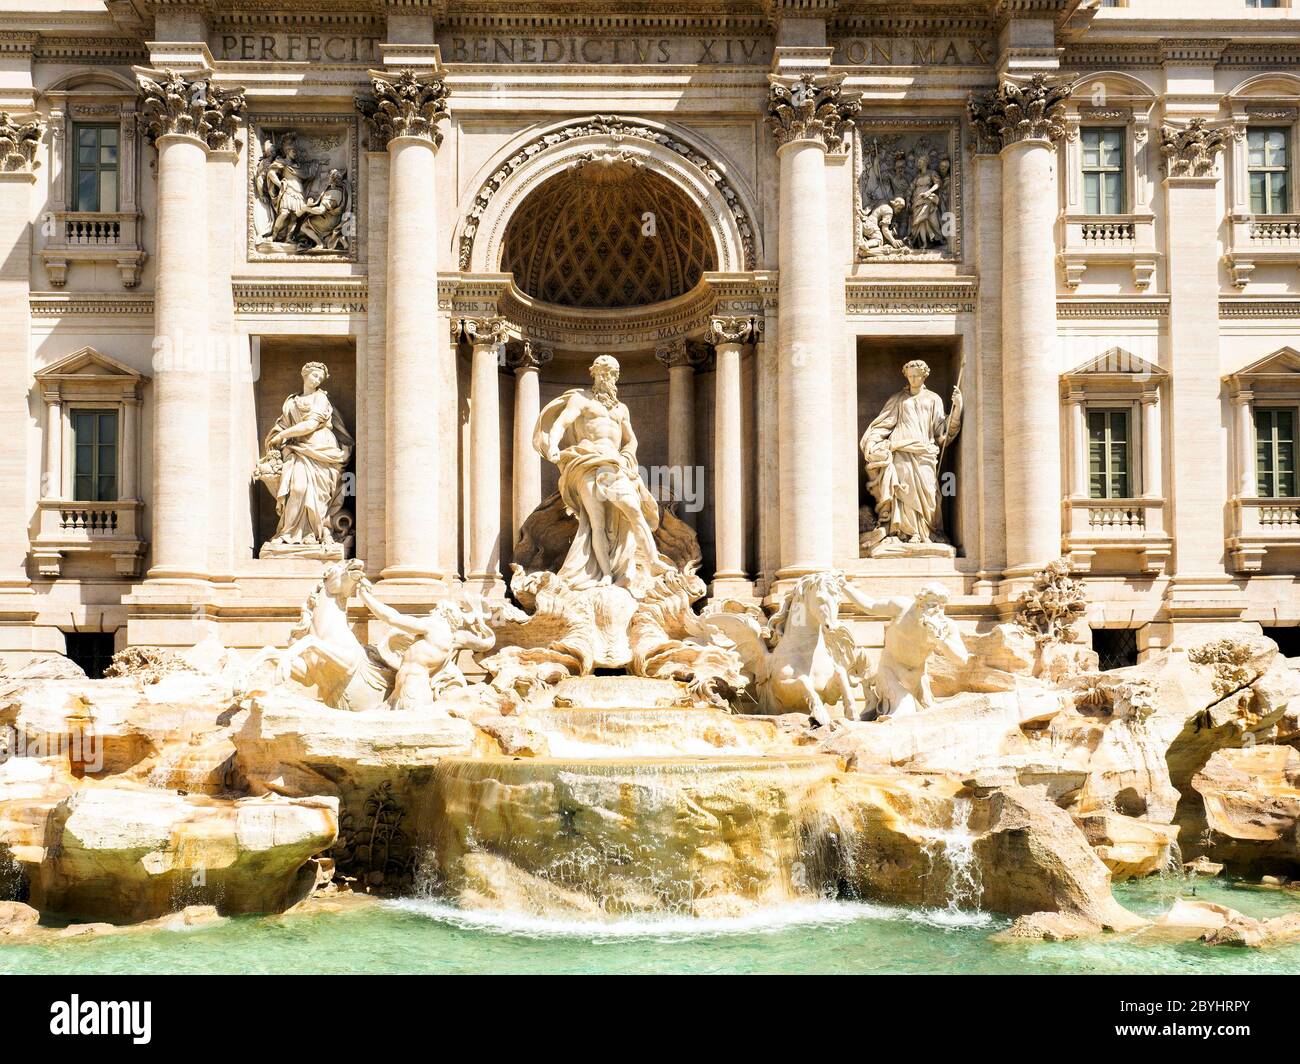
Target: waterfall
[953, 847]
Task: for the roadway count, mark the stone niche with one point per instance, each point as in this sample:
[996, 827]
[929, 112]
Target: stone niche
[279, 375]
[880, 375]
[920, 162]
[302, 188]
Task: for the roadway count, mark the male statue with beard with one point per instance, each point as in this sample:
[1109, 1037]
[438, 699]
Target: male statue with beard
[588, 434]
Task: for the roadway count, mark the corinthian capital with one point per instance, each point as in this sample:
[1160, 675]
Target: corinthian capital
[526, 355]
[1012, 113]
[1189, 151]
[809, 107]
[409, 105]
[734, 330]
[173, 104]
[18, 141]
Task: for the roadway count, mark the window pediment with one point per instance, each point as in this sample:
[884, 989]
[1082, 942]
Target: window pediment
[1279, 371]
[1115, 369]
[92, 370]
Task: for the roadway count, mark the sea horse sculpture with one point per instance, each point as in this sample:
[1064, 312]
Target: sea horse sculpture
[805, 660]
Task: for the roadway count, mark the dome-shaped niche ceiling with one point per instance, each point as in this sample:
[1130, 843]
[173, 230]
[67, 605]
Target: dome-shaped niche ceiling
[582, 239]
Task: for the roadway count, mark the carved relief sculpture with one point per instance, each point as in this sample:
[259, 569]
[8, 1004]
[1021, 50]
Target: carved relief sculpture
[906, 195]
[173, 105]
[903, 447]
[18, 142]
[303, 203]
[588, 434]
[305, 454]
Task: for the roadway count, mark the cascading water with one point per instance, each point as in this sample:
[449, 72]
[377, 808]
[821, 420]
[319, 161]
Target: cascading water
[950, 849]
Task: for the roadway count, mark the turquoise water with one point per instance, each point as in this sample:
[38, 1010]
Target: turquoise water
[418, 936]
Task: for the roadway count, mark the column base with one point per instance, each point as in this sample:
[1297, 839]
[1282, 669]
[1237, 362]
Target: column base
[732, 586]
[411, 574]
[487, 585]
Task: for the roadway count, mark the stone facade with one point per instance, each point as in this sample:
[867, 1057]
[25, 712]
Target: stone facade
[1068, 212]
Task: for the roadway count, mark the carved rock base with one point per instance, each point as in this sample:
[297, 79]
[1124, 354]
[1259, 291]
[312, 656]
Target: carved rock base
[875, 545]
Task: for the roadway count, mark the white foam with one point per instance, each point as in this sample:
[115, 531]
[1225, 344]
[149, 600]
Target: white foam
[768, 920]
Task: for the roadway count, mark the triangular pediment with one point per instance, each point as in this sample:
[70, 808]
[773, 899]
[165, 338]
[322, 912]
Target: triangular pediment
[1280, 363]
[88, 362]
[1117, 361]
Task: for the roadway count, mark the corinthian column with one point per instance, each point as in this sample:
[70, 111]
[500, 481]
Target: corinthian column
[807, 114]
[18, 144]
[403, 114]
[1026, 120]
[184, 120]
[526, 463]
[729, 336]
[485, 337]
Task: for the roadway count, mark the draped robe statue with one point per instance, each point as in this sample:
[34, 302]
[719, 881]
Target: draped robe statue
[902, 448]
[306, 452]
[588, 434]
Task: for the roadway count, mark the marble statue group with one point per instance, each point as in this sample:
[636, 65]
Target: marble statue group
[615, 598]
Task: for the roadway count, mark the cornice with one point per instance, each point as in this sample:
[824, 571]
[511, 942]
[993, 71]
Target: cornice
[52, 305]
[866, 296]
[1259, 307]
[1112, 308]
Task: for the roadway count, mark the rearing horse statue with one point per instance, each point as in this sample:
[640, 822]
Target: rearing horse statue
[324, 651]
[805, 660]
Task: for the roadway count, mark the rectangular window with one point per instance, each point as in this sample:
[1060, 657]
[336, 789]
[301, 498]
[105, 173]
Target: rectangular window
[95, 169]
[1103, 171]
[1108, 454]
[1275, 452]
[1268, 160]
[1263, 3]
[94, 468]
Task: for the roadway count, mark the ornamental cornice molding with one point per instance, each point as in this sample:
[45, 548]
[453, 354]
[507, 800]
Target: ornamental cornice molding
[1182, 51]
[1015, 112]
[864, 297]
[1256, 307]
[810, 107]
[172, 104]
[405, 105]
[1103, 55]
[116, 50]
[57, 306]
[351, 289]
[615, 128]
[1089, 309]
[613, 24]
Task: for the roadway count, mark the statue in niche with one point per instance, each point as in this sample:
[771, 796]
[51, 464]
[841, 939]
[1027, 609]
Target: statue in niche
[303, 216]
[903, 447]
[906, 169]
[302, 466]
[876, 234]
[588, 434]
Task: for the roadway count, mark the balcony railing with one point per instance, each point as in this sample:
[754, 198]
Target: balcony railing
[1110, 240]
[94, 236]
[109, 530]
[1116, 529]
[1276, 232]
[1109, 233]
[1260, 526]
[1262, 239]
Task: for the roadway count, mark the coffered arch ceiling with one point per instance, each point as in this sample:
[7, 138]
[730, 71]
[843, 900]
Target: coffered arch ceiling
[607, 233]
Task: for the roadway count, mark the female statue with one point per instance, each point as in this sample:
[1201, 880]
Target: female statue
[926, 226]
[306, 452]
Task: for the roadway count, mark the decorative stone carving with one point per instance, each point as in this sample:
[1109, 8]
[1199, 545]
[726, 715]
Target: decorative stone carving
[903, 448]
[614, 128]
[422, 651]
[1190, 151]
[805, 660]
[18, 142]
[1011, 113]
[175, 105]
[917, 629]
[413, 667]
[526, 355]
[408, 105]
[732, 330]
[588, 434]
[302, 202]
[1049, 609]
[325, 653]
[810, 107]
[302, 466]
[908, 190]
[477, 331]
